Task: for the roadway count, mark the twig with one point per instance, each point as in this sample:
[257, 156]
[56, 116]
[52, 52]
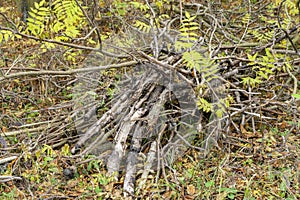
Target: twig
[31, 130]
[294, 79]
[92, 24]
[5, 160]
[69, 72]
[287, 35]
[4, 179]
[253, 114]
[66, 44]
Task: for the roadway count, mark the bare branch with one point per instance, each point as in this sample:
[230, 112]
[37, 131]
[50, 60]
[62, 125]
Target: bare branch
[69, 72]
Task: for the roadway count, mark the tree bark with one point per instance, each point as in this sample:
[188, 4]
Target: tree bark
[23, 7]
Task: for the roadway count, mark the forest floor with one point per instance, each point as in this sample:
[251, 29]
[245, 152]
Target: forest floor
[257, 157]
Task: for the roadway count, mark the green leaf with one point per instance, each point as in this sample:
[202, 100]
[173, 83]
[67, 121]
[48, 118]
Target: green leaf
[297, 96]
[184, 29]
[209, 183]
[219, 113]
[252, 58]
[268, 53]
[204, 105]
[231, 196]
[187, 15]
[36, 5]
[265, 59]
[194, 24]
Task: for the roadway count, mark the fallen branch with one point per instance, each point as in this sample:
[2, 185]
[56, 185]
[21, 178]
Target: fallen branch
[5, 160]
[69, 72]
[4, 179]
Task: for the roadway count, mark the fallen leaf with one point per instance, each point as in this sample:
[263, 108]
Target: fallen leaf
[190, 189]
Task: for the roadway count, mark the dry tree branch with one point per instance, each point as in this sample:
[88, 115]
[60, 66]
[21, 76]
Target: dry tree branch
[295, 80]
[66, 44]
[92, 24]
[9, 21]
[31, 130]
[4, 179]
[287, 35]
[132, 159]
[68, 72]
[5, 160]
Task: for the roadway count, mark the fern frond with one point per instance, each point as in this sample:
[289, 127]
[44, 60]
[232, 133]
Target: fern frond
[63, 21]
[38, 18]
[138, 5]
[187, 36]
[142, 26]
[6, 35]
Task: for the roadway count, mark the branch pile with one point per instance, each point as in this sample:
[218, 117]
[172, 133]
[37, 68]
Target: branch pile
[154, 116]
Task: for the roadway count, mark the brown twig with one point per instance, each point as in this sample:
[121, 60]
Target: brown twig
[69, 72]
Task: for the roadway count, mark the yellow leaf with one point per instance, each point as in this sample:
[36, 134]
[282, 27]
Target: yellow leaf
[187, 15]
[36, 5]
[190, 189]
[268, 149]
